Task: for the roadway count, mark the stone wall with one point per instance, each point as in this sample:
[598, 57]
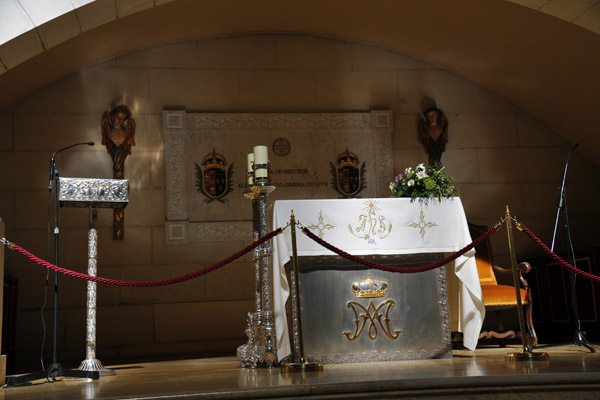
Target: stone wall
[498, 154]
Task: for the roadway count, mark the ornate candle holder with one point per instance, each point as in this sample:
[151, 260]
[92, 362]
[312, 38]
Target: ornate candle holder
[261, 348]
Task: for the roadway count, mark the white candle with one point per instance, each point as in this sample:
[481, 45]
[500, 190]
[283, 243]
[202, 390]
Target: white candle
[250, 168]
[261, 159]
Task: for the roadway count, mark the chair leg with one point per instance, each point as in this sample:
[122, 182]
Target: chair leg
[529, 320]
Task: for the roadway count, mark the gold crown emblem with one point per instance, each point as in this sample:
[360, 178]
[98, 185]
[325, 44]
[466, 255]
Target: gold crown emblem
[347, 159]
[370, 288]
[214, 161]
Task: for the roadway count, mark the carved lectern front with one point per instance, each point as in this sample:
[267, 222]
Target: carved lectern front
[93, 194]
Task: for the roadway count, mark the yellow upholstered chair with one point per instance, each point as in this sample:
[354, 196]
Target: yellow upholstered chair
[498, 297]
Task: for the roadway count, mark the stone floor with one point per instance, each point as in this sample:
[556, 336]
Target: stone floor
[571, 372]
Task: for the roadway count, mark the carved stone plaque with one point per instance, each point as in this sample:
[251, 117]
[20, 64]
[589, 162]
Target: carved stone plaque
[302, 149]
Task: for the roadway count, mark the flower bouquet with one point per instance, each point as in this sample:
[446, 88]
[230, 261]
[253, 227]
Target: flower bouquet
[424, 183]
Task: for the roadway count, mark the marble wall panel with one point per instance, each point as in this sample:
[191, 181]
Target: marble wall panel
[418, 90]
[6, 132]
[277, 91]
[180, 55]
[470, 130]
[370, 58]
[533, 133]
[28, 170]
[311, 53]
[124, 325]
[518, 165]
[355, 90]
[50, 132]
[240, 53]
[183, 322]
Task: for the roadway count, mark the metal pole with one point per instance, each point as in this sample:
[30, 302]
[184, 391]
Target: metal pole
[526, 354]
[300, 364]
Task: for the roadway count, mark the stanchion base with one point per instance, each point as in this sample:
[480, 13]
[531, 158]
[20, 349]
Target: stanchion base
[516, 357]
[302, 367]
[95, 365]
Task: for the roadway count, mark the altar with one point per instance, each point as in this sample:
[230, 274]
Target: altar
[404, 316]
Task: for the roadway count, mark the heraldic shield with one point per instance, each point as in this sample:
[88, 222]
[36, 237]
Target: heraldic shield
[214, 181]
[346, 178]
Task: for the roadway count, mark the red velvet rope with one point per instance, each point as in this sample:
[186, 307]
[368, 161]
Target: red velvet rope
[556, 258]
[166, 282]
[404, 270]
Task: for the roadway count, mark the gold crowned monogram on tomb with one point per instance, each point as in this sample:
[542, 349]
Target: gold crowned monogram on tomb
[376, 316]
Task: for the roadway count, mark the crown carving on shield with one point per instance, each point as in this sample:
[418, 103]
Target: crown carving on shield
[214, 160]
[347, 159]
[370, 288]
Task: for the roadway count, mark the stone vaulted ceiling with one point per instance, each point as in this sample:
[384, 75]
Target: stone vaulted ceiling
[542, 55]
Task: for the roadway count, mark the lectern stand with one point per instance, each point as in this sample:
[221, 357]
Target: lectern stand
[93, 194]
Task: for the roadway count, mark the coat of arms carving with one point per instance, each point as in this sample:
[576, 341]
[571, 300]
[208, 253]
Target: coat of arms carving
[214, 178]
[347, 178]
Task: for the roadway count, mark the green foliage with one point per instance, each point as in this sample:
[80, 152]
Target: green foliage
[423, 183]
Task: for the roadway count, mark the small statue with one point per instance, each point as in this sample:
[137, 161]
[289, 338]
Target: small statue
[118, 129]
[433, 134]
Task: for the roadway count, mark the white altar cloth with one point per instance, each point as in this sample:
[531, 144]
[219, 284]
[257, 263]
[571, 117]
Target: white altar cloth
[381, 226]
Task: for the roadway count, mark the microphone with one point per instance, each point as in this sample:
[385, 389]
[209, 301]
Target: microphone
[54, 155]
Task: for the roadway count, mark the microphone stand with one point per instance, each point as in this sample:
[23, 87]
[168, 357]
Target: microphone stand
[54, 370]
[578, 339]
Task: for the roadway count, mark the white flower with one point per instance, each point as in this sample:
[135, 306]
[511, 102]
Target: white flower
[420, 167]
[392, 185]
[422, 174]
[408, 171]
[411, 182]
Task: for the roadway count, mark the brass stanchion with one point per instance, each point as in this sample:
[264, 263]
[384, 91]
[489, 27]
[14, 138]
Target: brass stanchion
[527, 354]
[300, 364]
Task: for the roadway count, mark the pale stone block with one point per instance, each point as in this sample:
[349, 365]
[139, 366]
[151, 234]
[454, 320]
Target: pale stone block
[45, 100]
[6, 131]
[29, 333]
[310, 53]
[534, 133]
[21, 48]
[418, 90]
[485, 100]
[75, 331]
[582, 198]
[405, 133]
[234, 281]
[28, 170]
[86, 162]
[487, 202]
[373, 58]
[157, 169]
[50, 132]
[482, 130]
[146, 207]
[96, 13]
[125, 325]
[206, 253]
[134, 249]
[248, 52]
[7, 209]
[408, 158]
[540, 199]
[59, 29]
[128, 7]
[94, 90]
[462, 165]
[518, 165]
[184, 292]
[360, 90]
[181, 322]
[148, 132]
[31, 209]
[178, 55]
[42, 12]
[193, 89]
[15, 21]
[273, 91]
[567, 10]
[590, 19]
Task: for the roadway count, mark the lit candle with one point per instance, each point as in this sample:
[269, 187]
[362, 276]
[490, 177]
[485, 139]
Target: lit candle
[250, 168]
[261, 159]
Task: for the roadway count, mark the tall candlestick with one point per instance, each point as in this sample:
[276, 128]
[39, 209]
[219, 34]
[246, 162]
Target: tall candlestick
[250, 168]
[261, 160]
